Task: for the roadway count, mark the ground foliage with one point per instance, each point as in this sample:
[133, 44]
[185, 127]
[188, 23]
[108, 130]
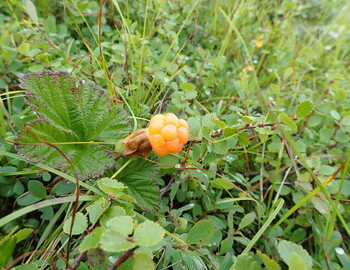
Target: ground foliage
[264, 180]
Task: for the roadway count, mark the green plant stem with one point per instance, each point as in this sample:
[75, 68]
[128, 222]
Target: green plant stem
[45, 167]
[279, 204]
[42, 204]
[51, 224]
[122, 167]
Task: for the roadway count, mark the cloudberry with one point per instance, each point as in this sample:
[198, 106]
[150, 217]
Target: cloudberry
[167, 134]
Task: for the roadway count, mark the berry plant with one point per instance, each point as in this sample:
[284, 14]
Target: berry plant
[174, 134]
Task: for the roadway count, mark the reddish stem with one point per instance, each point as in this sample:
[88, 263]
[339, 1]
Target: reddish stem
[248, 126]
[122, 259]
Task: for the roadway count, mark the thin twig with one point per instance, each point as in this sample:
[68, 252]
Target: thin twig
[122, 259]
[77, 261]
[248, 126]
[167, 188]
[29, 253]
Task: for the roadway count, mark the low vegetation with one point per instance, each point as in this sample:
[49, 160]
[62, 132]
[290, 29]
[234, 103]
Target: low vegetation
[254, 175]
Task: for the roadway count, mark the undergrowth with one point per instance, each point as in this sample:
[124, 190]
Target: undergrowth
[263, 182]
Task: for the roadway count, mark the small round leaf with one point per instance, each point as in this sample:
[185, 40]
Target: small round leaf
[37, 189]
[201, 232]
[141, 261]
[110, 186]
[113, 241]
[286, 250]
[79, 226]
[91, 240]
[148, 234]
[122, 224]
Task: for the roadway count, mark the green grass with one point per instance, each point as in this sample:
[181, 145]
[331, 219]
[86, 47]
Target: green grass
[231, 68]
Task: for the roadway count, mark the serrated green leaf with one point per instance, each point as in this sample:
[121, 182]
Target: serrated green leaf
[112, 212]
[110, 186]
[91, 240]
[37, 189]
[201, 232]
[70, 112]
[270, 264]
[139, 177]
[113, 241]
[142, 261]
[245, 260]
[304, 109]
[96, 209]
[148, 234]
[79, 226]
[286, 248]
[219, 123]
[287, 121]
[121, 224]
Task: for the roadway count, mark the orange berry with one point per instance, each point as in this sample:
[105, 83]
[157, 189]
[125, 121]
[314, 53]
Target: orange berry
[157, 140]
[174, 146]
[157, 117]
[183, 123]
[171, 119]
[161, 151]
[169, 132]
[183, 134]
[156, 126]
